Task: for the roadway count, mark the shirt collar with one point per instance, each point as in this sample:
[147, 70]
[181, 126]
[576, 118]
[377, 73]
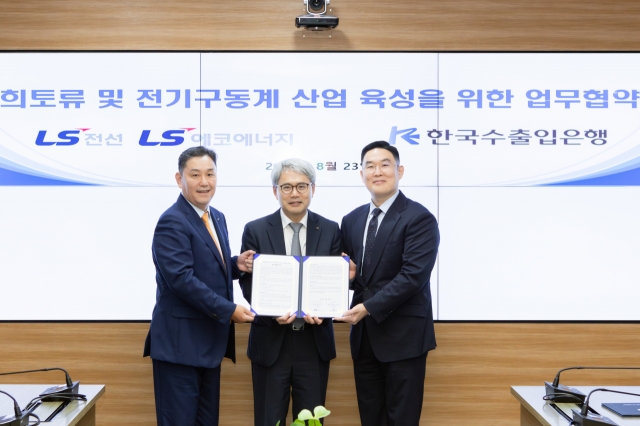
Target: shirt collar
[286, 221]
[384, 206]
[198, 210]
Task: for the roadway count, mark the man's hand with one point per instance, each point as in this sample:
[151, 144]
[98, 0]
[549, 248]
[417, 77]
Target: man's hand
[312, 320]
[352, 268]
[286, 319]
[245, 261]
[242, 315]
[354, 315]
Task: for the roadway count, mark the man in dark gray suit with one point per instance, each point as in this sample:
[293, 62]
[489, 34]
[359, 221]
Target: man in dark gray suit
[290, 356]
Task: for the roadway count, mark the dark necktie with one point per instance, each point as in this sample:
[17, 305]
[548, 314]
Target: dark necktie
[296, 250]
[371, 238]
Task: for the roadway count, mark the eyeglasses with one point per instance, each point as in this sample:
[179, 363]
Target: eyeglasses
[385, 168]
[287, 188]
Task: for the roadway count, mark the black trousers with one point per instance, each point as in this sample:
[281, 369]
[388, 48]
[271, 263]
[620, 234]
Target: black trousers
[297, 374]
[186, 395]
[389, 393]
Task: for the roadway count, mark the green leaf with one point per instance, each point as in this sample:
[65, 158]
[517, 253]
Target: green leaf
[278, 424]
[314, 422]
[305, 415]
[320, 412]
[297, 422]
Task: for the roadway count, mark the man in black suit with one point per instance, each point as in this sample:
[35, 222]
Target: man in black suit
[394, 243]
[290, 356]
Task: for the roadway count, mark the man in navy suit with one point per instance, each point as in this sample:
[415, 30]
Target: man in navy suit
[192, 323]
[394, 243]
[289, 355]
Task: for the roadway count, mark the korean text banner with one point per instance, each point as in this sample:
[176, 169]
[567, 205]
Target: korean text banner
[530, 162]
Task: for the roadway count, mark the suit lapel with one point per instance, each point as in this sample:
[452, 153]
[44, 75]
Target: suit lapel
[384, 231]
[313, 234]
[222, 238]
[224, 247]
[198, 224]
[276, 235]
[357, 237]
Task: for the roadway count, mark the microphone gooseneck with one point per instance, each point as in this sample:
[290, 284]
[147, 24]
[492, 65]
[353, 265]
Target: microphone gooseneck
[67, 377]
[556, 381]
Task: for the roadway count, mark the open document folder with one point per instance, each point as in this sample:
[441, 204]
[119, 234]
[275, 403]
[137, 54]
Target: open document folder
[317, 286]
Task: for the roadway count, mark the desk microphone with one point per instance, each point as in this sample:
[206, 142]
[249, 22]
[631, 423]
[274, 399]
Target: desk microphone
[49, 394]
[561, 393]
[19, 419]
[583, 418]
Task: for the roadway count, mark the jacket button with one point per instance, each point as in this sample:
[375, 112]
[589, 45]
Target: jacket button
[366, 288]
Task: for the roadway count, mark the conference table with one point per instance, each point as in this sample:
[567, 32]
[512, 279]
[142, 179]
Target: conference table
[77, 413]
[534, 411]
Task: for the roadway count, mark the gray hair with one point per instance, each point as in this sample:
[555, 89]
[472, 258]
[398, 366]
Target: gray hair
[295, 164]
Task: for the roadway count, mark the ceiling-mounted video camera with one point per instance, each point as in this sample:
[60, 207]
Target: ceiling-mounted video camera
[317, 6]
[316, 18]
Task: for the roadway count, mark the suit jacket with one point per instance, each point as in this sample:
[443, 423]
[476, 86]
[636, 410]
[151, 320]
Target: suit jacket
[265, 236]
[396, 289]
[194, 300]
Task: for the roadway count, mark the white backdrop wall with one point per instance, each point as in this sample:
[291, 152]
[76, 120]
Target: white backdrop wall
[529, 162]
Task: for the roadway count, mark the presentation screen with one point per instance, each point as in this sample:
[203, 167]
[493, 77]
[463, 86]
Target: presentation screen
[530, 162]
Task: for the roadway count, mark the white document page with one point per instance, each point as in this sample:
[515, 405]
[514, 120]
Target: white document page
[275, 284]
[325, 292]
[238, 297]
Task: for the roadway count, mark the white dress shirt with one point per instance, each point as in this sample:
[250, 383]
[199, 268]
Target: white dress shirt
[288, 233]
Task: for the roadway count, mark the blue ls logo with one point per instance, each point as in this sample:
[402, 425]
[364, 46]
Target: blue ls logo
[65, 138]
[171, 137]
[407, 134]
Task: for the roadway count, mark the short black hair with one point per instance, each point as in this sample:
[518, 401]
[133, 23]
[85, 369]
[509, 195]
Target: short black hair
[195, 152]
[384, 145]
